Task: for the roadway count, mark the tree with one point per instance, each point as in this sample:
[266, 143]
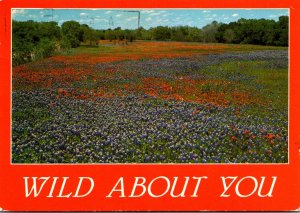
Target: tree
[139, 33]
[119, 33]
[110, 35]
[130, 35]
[209, 32]
[194, 34]
[143, 34]
[229, 35]
[49, 30]
[283, 30]
[33, 40]
[179, 33]
[71, 32]
[100, 34]
[88, 35]
[161, 33]
[255, 31]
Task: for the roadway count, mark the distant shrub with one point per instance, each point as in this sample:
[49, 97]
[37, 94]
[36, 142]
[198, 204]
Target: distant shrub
[71, 31]
[45, 48]
[65, 44]
[33, 40]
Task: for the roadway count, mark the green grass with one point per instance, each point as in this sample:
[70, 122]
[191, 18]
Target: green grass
[269, 85]
[91, 50]
[130, 48]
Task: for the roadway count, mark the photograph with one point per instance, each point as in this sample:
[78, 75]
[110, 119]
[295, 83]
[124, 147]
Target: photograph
[149, 86]
[149, 106]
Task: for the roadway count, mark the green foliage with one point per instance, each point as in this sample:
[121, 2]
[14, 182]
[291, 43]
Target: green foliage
[71, 31]
[119, 34]
[33, 40]
[255, 31]
[283, 30]
[110, 35]
[49, 30]
[229, 35]
[209, 32]
[179, 33]
[161, 33]
[36, 40]
[44, 48]
[143, 34]
[194, 34]
[130, 35]
[88, 35]
[65, 43]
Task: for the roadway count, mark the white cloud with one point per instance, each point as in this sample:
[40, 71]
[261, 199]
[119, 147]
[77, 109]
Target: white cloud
[163, 20]
[108, 12]
[149, 19]
[235, 15]
[283, 14]
[208, 15]
[159, 22]
[32, 16]
[18, 11]
[206, 11]
[83, 14]
[131, 18]
[154, 14]
[119, 15]
[101, 20]
[273, 16]
[148, 11]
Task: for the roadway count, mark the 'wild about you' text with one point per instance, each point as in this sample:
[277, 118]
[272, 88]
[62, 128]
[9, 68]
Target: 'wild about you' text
[137, 187]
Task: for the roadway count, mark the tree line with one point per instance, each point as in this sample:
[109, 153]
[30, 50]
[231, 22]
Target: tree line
[35, 40]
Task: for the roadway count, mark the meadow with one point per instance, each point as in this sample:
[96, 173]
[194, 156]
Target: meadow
[153, 102]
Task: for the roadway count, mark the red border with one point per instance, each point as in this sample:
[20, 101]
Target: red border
[286, 194]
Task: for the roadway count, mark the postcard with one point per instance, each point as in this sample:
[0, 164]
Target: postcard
[149, 106]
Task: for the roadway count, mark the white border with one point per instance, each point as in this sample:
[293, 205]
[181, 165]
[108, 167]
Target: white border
[152, 164]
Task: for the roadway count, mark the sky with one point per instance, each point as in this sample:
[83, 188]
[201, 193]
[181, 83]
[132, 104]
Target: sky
[106, 18]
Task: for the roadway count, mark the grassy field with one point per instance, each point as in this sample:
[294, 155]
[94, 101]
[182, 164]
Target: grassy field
[153, 102]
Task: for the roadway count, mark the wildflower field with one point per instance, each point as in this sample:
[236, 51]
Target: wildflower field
[153, 102]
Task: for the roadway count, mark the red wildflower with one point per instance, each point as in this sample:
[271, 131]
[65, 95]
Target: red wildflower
[246, 132]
